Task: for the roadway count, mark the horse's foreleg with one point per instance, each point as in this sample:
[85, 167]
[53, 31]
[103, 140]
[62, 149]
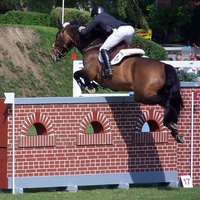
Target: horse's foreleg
[77, 76]
[88, 86]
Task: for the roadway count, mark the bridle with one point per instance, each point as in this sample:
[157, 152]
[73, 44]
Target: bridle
[63, 47]
[66, 48]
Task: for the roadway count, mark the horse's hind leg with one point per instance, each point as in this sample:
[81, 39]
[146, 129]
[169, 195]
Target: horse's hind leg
[170, 121]
[174, 102]
[171, 112]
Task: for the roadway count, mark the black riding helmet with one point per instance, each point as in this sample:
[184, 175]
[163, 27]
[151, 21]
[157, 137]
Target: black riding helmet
[97, 10]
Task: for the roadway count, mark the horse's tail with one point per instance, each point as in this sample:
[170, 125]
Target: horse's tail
[172, 84]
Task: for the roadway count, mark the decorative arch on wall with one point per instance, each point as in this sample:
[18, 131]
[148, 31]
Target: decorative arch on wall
[45, 131]
[38, 119]
[95, 116]
[100, 124]
[157, 132]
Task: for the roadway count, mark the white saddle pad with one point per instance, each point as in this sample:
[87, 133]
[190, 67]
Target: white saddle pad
[123, 53]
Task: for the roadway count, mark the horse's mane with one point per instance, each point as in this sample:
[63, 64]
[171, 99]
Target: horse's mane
[95, 37]
[95, 33]
[78, 22]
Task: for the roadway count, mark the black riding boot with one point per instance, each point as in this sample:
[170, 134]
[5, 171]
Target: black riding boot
[107, 65]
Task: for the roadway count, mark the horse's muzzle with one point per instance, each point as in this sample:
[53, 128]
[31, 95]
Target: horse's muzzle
[55, 57]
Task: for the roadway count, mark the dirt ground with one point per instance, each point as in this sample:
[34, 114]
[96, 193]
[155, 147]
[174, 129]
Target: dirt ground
[14, 46]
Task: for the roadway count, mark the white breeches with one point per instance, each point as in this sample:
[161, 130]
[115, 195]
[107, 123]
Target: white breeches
[122, 33]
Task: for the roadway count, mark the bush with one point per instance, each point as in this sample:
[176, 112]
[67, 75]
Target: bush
[188, 77]
[1, 19]
[152, 49]
[69, 14]
[26, 18]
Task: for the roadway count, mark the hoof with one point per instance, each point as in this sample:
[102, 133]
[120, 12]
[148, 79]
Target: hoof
[90, 90]
[180, 139]
[172, 125]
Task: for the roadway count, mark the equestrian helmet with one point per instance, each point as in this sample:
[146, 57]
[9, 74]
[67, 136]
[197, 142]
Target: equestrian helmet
[97, 10]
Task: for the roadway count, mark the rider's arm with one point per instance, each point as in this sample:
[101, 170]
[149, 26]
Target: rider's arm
[85, 31]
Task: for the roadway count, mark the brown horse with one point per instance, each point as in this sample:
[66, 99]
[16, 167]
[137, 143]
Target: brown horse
[152, 81]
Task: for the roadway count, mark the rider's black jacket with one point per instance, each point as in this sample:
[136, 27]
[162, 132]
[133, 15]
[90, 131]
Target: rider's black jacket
[105, 23]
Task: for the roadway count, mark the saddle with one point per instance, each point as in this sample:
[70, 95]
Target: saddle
[121, 51]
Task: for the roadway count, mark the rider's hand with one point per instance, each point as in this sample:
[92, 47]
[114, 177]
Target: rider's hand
[80, 28]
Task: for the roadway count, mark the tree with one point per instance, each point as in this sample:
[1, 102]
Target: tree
[190, 32]
[166, 20]
[44, 6]
[131, 10]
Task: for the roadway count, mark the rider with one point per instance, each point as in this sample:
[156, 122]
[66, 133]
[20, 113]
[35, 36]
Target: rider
[116, 31]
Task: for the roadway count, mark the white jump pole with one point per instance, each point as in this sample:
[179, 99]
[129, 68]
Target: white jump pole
[187, 63]
[192, 136]
[10, 99]
[77, 65]
[63, 6]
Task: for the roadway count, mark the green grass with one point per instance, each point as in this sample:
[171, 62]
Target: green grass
[134, 193]
[55, 78]
[89, 129]
[32, 130]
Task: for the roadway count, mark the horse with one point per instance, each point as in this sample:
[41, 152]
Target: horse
[152, 81]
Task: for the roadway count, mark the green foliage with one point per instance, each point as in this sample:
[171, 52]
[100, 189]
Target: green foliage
[152, 49]
[44, 6]
[9, 64]
[44, 78]
[26, 18]
[1, 18]
[188, 77]
[42, 19]
[130, 10]
[20, 46]
[136, 192]
[167, 19]
[70, 13]
[32, 130]
[191, 30]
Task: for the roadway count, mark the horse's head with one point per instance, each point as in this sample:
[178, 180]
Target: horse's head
[63, 43]
[68, 36]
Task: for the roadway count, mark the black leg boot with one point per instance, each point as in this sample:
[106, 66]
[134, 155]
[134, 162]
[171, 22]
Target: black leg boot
[107, 65]
[79, 81]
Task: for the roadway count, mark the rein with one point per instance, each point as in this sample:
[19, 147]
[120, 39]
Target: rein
[65, 45]
[91, 47]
